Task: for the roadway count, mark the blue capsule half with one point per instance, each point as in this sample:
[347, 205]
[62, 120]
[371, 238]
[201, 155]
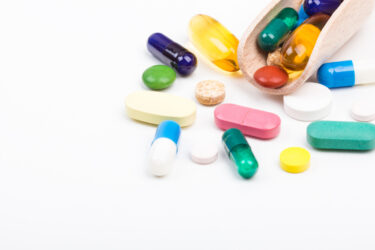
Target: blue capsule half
[172, 54]
[337, 74]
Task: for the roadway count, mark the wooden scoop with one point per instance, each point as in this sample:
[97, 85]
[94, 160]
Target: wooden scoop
[342, 25]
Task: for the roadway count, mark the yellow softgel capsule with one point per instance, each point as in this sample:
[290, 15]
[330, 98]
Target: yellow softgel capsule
[295, 160]
[214, 41]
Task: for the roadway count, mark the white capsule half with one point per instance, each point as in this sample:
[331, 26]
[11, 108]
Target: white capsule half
[162, 155]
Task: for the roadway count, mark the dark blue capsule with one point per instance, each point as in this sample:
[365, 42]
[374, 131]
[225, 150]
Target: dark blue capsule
[313, 7]
[172, 54]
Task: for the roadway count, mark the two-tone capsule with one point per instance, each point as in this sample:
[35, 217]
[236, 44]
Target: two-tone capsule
[172, 54]
[313, 7]
[346, 74]
[275, 32]
[214, 41]
[298, 48]
[240, 152]
[164, 148]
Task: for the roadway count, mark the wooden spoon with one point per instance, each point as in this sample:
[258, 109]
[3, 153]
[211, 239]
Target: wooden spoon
[342, 25]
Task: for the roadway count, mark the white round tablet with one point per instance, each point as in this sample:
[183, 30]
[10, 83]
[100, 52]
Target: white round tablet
[310, 102]
[204, 152]
[363, 109]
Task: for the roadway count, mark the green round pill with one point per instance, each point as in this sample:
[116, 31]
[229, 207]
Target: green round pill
[159, 77]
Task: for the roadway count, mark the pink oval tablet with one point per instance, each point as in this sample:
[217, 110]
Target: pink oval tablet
[251, 122]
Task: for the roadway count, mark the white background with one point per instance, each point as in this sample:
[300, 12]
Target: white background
[73, 173]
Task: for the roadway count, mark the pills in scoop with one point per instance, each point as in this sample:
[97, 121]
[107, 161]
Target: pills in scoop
[309, 103]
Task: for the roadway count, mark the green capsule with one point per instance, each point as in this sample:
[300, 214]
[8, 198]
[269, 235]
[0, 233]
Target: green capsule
[240, 152]
[275, 32]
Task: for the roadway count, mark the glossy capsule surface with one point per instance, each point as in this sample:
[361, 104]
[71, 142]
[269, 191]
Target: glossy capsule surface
[172, 54]
[313, 7]
[297, 50]
[275, 32]
[215, 42]
[240, 152]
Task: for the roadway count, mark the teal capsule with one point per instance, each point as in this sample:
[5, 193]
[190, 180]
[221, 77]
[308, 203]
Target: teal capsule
[240, 152]
[275, 32]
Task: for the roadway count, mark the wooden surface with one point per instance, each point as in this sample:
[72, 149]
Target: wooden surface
[342, 25]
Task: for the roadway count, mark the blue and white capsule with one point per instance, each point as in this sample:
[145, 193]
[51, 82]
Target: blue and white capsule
[164, 148]
[346, 74]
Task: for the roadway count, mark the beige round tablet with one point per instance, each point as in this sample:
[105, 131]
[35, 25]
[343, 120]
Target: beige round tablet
[210, 92]
[274, 58]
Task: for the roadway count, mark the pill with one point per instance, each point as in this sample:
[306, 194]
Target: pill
[302, 16]
[337, 135]
[311, 102]
[239, 151]
[276, 30]
[164, 148]
[295, 160]
[251, 122]
[159, 77]
[313, 7]
[296, 51]
[154, 107]
[274, 58]
[346, 74]
[210, 92]
[204, 152]
[172, 54]
[215, 42]
[271, 76]
[363, 109]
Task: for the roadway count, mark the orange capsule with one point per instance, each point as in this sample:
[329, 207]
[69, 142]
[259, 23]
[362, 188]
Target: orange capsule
[297, 50]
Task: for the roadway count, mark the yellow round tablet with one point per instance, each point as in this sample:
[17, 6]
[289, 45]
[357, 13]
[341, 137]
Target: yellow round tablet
[295, 160]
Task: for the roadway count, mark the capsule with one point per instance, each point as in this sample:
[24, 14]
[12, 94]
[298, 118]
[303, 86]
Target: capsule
[240, 152]
[274, 33]
[297, 50]
[302, 16]
[172, 54]
[313, 7]
[164, 148]
[214, 41]
[346, 74]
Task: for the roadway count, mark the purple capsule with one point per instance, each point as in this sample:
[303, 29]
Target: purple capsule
[313, 7]
[172, 54]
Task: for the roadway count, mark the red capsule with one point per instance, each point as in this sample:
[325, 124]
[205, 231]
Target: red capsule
[271, 77]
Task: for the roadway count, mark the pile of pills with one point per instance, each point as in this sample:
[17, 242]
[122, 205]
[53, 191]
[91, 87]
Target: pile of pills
[288, 40]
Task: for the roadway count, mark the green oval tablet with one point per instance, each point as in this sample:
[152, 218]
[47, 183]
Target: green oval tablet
[336, 135]
[159, 77]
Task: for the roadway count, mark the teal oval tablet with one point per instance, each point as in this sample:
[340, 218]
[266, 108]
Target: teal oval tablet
[275, 32]
[159, 77]
[337, 135]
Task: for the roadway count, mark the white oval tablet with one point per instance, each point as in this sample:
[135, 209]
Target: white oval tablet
[363, 109]
[155, 107]
[310, 102]
[204, 152]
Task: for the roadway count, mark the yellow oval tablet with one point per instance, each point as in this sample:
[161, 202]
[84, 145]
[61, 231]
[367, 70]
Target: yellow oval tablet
[155, 107]
[295, 160]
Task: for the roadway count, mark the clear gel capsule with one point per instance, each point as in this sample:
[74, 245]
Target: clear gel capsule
[164, 148]
[313, 7]
[240, 152]
[214, 41]
[172, 54]
[297, 50]
[346, 74]
[274, 33]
